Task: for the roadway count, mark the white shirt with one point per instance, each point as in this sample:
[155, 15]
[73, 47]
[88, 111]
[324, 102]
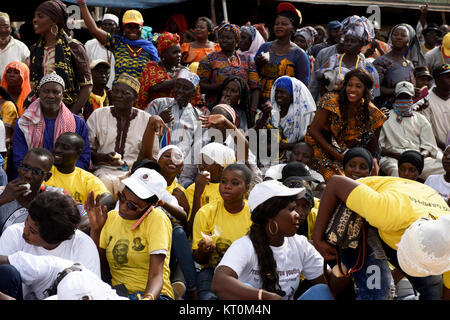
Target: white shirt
[2, 137]
[294, 257]
[95, 50]
[438, 114]
[15, 50]
[438, 183]
[80, 248]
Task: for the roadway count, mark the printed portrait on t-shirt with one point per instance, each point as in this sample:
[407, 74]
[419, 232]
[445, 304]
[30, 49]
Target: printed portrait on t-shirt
[137, 244]
[120, 251]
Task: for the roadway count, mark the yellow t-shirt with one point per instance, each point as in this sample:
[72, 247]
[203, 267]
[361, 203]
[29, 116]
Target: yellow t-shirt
[128, 252]
[312, 217]
[392, 204]
[214, 220]
[8, 114]
[173, 186]
[209, 195]
[78, 183]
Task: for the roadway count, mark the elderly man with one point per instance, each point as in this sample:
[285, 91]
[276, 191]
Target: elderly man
[116, 134]
[10, 49]
[45, 120]
[183, 120]
[95, 50]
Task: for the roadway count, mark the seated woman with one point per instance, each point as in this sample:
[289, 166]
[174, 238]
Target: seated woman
[170, 159]
[214, 158]
[256, 266]
[282, 57]
[291, 111]
[217, 66]
[410, 165]
[357, 32]
[357, 163]
[235, 93]
[50, 229]
[158, 78]
[193, 52]
[16, 80]
[134, 242]
[218, 224]
[349, 118]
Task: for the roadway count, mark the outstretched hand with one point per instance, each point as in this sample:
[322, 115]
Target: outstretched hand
[97, 214]
[157, 124]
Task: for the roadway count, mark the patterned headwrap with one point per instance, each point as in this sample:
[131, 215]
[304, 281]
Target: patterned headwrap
[130, 81]
[56, 11]
[250, 29]
[228, 109]
[225, 26]
[167, 40]
[184, 73]
[359, 27]
[308, 33]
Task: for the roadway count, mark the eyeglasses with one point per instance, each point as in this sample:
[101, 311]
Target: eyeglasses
[129, 204]
[34, 171]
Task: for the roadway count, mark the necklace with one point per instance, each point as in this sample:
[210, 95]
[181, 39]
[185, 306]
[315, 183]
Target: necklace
[340, 63]
[134, 53]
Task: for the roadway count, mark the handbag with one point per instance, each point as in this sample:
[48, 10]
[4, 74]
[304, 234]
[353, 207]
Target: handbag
[344, 227]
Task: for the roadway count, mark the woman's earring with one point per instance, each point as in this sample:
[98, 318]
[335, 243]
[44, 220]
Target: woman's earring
[270, 229]
[55, 33]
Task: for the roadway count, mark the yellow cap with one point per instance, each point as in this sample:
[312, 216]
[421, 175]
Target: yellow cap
[446, 44]
[132, 16]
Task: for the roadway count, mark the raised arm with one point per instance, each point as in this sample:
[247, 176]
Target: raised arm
[95, 31]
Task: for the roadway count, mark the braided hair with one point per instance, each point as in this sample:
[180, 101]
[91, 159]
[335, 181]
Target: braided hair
[257, 234]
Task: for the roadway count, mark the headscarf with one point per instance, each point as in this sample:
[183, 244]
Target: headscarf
[358, 152]
[177, 156]
[414, 51]
[225, 26]
[359, 27]
[292, 127]
[308, 33]
[180, 20]
[262, 30]
[56, 11]
[257, 39]
[228, 109]
[167, 40]
[25, 88]
[220, 153]
[146, 45]
[413, 157]
[284, 83]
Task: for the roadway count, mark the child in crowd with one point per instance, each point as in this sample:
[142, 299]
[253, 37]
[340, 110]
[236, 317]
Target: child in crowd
[218, 224]
[410, 165]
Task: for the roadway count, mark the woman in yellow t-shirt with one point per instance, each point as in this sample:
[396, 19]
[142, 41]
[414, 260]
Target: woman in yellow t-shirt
[392, 205]
[218, 224]
[134, 242]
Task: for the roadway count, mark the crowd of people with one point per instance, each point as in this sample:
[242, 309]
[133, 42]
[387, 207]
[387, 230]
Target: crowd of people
[205, 162]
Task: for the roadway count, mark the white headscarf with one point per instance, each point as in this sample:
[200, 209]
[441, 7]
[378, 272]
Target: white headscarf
[300, 114]
[177, 157]
[220, 153]
[257, 41]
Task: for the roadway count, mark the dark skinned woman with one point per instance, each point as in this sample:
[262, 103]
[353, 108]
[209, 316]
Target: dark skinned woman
[56, 51]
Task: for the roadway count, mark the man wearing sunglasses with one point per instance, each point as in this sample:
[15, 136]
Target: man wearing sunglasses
[16, 196]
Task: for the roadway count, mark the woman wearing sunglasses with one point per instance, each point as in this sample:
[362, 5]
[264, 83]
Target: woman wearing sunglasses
[134, 241]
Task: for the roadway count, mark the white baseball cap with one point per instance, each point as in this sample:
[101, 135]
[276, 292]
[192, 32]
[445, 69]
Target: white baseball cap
[85, 285]
[96, 62]
[424, 248]
[404, 87]
[268, 189]
[146, 183]
[220, 153]
[110, 16]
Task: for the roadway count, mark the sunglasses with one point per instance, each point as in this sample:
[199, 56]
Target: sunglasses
[129, 204]
[34, 171]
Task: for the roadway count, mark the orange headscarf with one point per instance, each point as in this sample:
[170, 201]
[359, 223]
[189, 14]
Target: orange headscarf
[25, 75]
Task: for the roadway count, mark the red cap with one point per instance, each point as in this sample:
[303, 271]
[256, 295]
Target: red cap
[286, 6]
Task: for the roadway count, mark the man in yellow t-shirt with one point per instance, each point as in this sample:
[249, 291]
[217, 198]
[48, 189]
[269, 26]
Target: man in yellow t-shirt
[76, 181]
[391, 205]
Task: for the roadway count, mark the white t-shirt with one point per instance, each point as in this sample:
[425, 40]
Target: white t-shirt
[296, 256]
[94, 51]
[80, 248]
[438, 183]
